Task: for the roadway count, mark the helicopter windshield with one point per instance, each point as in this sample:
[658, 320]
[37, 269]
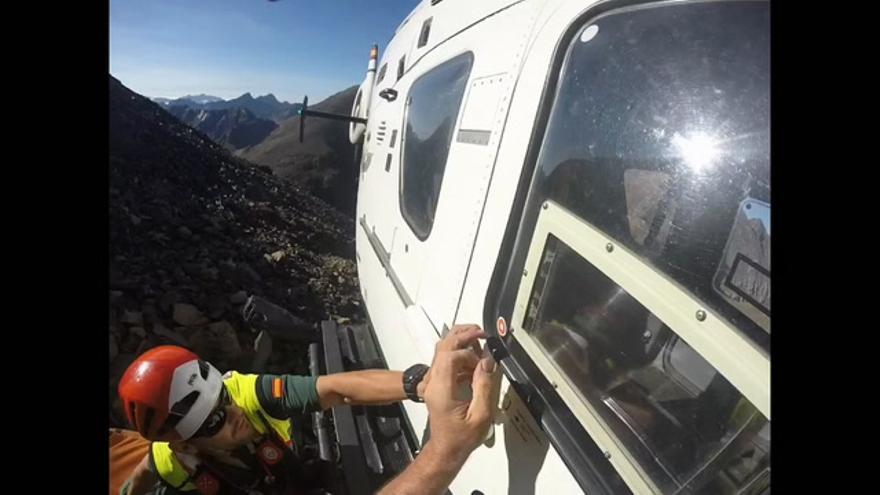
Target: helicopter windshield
[659, 136]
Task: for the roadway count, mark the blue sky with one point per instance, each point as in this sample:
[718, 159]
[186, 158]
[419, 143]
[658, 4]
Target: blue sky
[225, 48]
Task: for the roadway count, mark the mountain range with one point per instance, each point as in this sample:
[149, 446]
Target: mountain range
[264, 107]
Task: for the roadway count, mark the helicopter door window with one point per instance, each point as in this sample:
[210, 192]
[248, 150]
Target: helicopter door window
[687, 427]
[432, 112]
[382, 72]
[659, 136]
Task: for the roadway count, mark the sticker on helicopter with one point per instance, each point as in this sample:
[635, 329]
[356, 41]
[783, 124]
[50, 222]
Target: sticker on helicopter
[501, 326]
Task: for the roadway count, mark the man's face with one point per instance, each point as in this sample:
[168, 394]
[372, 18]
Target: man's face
[236, 431]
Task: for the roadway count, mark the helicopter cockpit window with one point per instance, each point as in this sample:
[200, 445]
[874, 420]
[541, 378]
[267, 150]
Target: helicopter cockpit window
[688, 427]
[432, 111]
[659, 137]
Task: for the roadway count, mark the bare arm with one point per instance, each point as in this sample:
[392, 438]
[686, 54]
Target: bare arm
[430, 473]
[361, 388]
[457, 426]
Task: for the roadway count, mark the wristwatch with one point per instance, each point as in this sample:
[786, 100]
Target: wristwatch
[411, 379]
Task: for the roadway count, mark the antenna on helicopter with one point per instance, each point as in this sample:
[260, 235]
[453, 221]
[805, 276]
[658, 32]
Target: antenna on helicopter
[304, 111]
[359, 108]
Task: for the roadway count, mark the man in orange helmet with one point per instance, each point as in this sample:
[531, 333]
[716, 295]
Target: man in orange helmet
[218, 434]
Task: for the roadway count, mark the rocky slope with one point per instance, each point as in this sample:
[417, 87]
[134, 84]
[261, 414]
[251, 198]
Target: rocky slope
[195, 230]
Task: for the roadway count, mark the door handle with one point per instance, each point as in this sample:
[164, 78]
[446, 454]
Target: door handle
[388, 94]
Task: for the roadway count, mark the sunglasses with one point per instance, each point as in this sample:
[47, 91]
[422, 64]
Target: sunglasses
[217, 419]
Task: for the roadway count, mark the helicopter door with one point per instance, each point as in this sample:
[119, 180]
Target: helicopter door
[623, 310]
[452, 125]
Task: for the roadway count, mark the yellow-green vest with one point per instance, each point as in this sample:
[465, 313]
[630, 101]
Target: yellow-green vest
[243, 393]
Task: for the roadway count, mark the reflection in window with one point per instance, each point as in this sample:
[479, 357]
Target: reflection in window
[743, 275]
[648, 209]
[659, 129]
[688, 427]
[433, 105]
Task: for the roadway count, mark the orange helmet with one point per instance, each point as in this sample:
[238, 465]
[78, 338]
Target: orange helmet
[168, 393]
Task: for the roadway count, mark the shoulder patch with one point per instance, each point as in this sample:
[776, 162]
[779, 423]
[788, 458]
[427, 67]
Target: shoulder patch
[277, 388]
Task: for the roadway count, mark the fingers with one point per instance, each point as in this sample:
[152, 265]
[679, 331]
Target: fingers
[460, 337]
[448, 366]
[462, 327]
[480, 409]
[475, 346]
[464, 377]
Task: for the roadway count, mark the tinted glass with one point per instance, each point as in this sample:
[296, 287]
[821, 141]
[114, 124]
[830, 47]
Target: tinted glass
[687, 426]
[659, 136]
[432, 111]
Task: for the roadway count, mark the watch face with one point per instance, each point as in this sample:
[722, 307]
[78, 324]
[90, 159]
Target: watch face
[411, 378]
[414, 372]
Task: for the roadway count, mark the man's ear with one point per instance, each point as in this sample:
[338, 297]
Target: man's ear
[182, 447]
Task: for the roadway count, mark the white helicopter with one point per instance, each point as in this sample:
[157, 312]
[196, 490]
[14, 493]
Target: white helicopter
[590, 182]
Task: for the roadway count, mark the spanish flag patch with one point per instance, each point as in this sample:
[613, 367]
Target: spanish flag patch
[276, 388]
